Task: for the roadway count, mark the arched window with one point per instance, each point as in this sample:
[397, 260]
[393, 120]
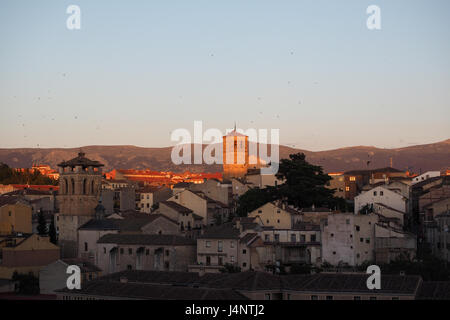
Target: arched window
[72, 185]
[66, 187]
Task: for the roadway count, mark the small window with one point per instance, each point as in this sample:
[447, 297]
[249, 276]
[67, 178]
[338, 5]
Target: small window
[266, 238]
[313, 238]
[356, 298]
[208, 244]
[381, 193]
[167, 253]
[314, 298]
[357, 228]
[277, 237]
[259, 211]
[244, 264]
[219, 246]
[368, 240]
[395, 298]
[347, 221]
[9, 213]
[374, 193]
[121, 250]
[147, 252]
[129, 267]
[85, 246]
[267, 296]
[232, 259]
[130, 251]
[104, 250]
[361, 239]
[373, 298]
[278, 221]
[347, 188]
[329, 298]
[244, 251]
[232, 244]
[352, 178]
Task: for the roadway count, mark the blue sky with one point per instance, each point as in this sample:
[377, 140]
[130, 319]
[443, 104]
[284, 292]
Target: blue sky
[137, 70]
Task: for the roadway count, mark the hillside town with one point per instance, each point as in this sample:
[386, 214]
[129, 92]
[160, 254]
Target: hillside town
[300, 234]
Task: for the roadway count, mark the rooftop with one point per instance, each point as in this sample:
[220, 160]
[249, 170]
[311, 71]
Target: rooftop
[82, 161]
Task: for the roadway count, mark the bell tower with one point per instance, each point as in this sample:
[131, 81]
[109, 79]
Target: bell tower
[235, 154]
[79, 191]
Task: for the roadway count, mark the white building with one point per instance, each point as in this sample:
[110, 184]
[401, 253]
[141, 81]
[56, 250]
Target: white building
[425, 176]
[381, 195]
[349, 239]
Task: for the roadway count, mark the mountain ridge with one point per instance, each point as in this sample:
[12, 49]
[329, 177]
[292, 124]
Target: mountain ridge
[418, 158]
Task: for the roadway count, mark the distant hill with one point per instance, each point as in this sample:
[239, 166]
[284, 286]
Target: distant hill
[418, 158]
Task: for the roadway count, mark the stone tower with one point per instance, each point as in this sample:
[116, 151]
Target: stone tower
[235, 155]
[79, 192]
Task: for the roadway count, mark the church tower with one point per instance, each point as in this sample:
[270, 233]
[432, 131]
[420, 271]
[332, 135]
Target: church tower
[79, 192]
[235, 155]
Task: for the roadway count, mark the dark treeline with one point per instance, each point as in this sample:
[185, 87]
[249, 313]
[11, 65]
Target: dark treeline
[11, 176]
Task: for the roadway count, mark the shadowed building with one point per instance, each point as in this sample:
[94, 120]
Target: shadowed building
[79, 192]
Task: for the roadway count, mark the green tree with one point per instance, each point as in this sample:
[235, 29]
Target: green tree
[42, 224]
[304, 186]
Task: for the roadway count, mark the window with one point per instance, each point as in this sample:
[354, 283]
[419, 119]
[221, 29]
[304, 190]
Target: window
[357, 228]
[129, 267]
[267, 238]
[208, 260]
[267, 221]
[278, 211]
[334, 252]
[361, 239]
[259, 211]
[395, 298]
[277, 237]
[232, 244]
[302, 238]
[288, 296]
[368, 240]
[220, 261]
[9, 213]
[208, 244]
[267, 296]
[278, 221]
[332, 235]
[121, 250]
[219, 246]
[232, 259]
[347, 188]
[166, 265]
[352, 178]
[329, 298]
[313, 238]
[147, 252]
[374, 193]
[314, 298]
[104, 250]
[293, 237]
[347, 221]
[356, 298]
[130, 251]
[244, 251]
[167, 253]
[85, 246]
[244, 264]
[373, 298]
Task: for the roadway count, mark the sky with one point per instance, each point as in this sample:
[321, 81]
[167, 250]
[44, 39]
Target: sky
[137, 70]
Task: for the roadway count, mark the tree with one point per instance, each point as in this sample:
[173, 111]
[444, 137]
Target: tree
[304, 186]
[52, 232]
[304, 183]
[253, 199]
[42, 224]
[230, 268]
